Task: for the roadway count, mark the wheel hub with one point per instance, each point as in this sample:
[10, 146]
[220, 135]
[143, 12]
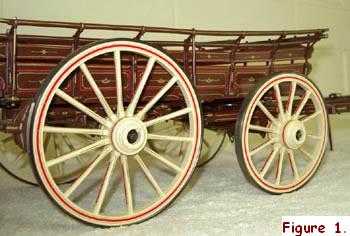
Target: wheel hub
[129, 136]
[293, 134]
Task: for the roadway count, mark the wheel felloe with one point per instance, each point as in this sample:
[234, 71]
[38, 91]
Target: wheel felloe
[281, 133]
[127, 181]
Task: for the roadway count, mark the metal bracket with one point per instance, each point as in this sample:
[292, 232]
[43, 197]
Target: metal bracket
[231, 136]
[27, 136]
[141, 33]
[277, 43]
[10, 101]
[186, 51]
[232, 63]
[76, 36]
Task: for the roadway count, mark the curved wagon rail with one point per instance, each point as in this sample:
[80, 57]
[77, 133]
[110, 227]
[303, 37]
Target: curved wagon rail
[114, 127]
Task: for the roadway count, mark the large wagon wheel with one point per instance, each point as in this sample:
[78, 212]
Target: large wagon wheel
[213, 140]
[128, 182]
[15, 160]
[281, 133]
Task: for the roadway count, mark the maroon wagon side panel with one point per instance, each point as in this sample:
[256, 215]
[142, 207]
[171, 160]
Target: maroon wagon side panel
[222, 71]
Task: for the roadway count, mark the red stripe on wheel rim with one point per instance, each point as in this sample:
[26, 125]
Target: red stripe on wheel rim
[41, 122]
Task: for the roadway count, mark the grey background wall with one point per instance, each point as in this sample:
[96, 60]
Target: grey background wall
[331, 59]
[1, 9]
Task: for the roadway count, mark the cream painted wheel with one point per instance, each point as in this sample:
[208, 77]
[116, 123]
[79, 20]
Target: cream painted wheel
[128, 181]
[16, 161]
[281, 133]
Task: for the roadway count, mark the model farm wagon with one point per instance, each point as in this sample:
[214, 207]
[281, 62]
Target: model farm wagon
[113, 129]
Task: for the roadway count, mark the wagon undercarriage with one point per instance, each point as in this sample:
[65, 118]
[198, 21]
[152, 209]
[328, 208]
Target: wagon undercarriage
[76, 102]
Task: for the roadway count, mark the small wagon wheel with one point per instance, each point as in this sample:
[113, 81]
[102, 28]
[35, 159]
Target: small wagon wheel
[212, 141]
[16, 161]
[281, 133]
[128, 181]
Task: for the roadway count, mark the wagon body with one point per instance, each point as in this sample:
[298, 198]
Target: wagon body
[222, 71]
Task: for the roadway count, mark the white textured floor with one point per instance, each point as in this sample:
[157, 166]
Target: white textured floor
[217, 201]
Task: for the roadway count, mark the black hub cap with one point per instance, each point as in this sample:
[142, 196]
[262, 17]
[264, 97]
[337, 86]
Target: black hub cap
[298, 135]
[132, 136]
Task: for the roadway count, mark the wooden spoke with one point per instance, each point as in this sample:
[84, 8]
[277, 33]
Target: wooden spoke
[291, 98]
[97, 91]
[119, 83]
[293, 164]
[47, 140]
[206, 143]
[86, 136]
[306, 155]
[105, 184]
[162, 159]
[262, 146]
[6, 140]
[302, 104]
[68, 142]
[262, 129]
[60, 166]
[131, 108]
[20, 157]
[310, 117]
[87, 171]
[169, 138]
[156, 98]
[82, 107]
[279, 99]
[268, 161]
[149, 175]
[68, 130]
[279, 166]
[267, 113]
[126, 179]
[77, 152]
[314, 137]
[172, 115]
[70, 145]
